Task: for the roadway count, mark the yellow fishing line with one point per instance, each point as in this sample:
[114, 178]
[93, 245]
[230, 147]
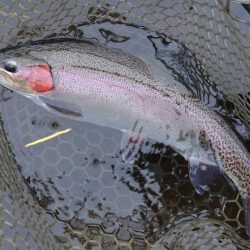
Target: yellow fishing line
[48, 137]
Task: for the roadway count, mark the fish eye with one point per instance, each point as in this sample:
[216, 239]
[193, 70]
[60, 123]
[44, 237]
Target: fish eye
[10, 66]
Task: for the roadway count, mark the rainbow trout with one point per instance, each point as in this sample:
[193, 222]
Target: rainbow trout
[107, 87]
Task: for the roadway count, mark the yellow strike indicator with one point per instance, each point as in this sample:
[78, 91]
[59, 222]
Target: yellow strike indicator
[48, 137]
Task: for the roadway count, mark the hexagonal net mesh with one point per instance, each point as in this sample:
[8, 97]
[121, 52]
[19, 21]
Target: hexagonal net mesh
[37, 212]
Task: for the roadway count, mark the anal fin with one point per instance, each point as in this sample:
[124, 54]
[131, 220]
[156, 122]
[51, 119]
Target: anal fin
[130, 146]
[203, 171]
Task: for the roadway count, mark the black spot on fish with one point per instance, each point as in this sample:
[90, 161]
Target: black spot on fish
[177, 112]
[166, 94]
[177, 103]
[205, 143]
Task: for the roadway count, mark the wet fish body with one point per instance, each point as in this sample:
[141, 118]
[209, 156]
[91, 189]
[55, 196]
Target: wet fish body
[111, 88]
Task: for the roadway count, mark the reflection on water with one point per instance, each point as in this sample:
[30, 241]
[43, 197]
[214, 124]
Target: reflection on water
[81, 179]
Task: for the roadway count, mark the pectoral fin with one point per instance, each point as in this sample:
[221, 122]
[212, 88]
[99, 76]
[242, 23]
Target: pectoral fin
[246, 205]
[202, 172]
[61, 107]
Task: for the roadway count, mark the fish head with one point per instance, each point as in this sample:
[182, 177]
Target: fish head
[26, 75]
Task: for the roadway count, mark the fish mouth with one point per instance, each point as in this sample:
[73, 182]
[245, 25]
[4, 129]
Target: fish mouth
[10, 81]
[6, 79]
